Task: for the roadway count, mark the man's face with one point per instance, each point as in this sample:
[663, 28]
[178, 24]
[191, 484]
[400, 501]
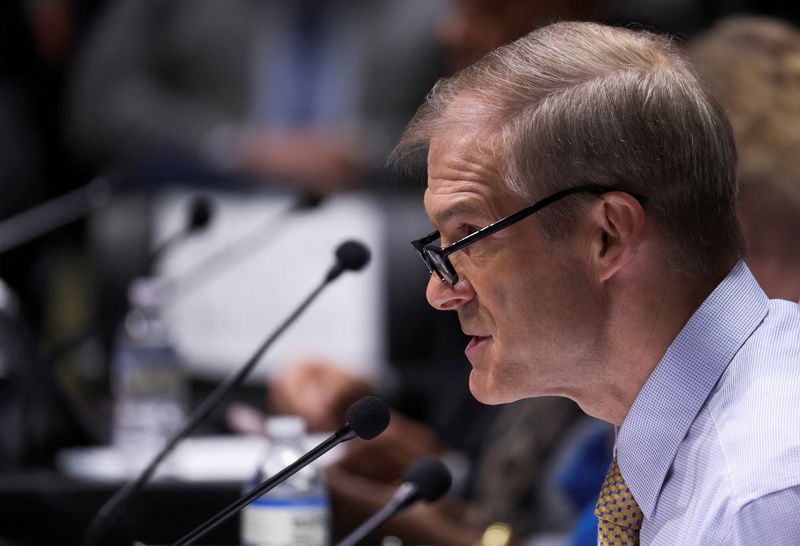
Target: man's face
[525, 301]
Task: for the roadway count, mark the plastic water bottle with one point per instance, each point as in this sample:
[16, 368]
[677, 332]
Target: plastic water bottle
[148, 383]
[296, 512]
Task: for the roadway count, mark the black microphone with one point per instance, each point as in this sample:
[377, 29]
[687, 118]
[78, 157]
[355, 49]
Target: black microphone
[350, 256]
[427, 479]
[116, 504]
[366, 419]
[199, 214]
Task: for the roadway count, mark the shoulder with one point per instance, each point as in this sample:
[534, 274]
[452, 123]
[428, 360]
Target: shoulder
[755, 408]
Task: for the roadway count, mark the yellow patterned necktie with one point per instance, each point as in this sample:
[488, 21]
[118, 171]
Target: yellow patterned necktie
[618, 516]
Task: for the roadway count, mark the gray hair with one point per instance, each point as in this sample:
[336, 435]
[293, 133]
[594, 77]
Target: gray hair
[584, 103]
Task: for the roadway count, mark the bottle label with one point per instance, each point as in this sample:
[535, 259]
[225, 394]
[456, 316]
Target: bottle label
[285, 522]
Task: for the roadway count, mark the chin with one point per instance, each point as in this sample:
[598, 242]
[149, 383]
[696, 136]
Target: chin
[486, 391]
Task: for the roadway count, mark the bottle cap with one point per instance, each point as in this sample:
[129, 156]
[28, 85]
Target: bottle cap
[285, 426]
[146, 292]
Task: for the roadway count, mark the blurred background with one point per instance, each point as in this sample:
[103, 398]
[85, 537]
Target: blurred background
[176, 176]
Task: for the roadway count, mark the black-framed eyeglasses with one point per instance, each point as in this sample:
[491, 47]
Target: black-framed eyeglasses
[437, 258]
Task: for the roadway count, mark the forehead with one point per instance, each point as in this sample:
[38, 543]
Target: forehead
[464, 174]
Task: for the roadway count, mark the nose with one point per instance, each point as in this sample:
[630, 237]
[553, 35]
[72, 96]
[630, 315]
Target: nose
[449, 298]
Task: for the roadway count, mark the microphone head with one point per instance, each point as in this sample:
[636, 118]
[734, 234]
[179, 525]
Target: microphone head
[431, 478]
[352, 256]
[368, 417]
[201, 211]
[308, 201]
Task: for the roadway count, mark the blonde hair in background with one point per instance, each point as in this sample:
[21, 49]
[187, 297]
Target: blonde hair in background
[753, 65]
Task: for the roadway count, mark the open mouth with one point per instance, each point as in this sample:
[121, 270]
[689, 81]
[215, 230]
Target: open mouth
[476, 342]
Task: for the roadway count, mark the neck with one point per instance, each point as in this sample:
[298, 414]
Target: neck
[641, 324]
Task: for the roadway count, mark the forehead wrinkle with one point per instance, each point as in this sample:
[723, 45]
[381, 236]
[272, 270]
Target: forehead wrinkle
[472, 157]
[465, 166]
[463, 204]
[467, 195]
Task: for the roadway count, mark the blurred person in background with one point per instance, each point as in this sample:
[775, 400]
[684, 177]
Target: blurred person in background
[753, 66]
[306, 93]
[37, 40]
[472, 28]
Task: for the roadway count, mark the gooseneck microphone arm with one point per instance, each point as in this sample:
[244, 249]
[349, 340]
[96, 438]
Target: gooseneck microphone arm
[51, 215]
[200, 213]
[117, 503]
[397, 503]
[366, 419]
[342, 435]
[220, 260]
[427, 479]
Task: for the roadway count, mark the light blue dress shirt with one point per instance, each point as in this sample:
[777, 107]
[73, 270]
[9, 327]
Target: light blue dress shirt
[711, 446]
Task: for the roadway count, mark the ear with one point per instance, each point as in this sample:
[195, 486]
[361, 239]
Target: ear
[617, 231]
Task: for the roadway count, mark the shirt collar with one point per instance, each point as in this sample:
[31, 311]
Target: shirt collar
[672, 396]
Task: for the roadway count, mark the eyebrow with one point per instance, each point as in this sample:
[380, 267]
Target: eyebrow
[462, 207]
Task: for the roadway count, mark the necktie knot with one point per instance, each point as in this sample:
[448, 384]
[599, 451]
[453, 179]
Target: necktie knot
[619, 517]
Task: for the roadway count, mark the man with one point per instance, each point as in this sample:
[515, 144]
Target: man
[582, 182]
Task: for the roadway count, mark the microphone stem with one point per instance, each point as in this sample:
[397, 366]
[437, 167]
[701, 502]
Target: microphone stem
[155, 255]
[53, 214]
[400, 500]
[244, 247]
[343, 434]
[123, 497]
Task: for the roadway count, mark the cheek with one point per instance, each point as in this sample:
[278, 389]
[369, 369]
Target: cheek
[547, 307]
[514, 302]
